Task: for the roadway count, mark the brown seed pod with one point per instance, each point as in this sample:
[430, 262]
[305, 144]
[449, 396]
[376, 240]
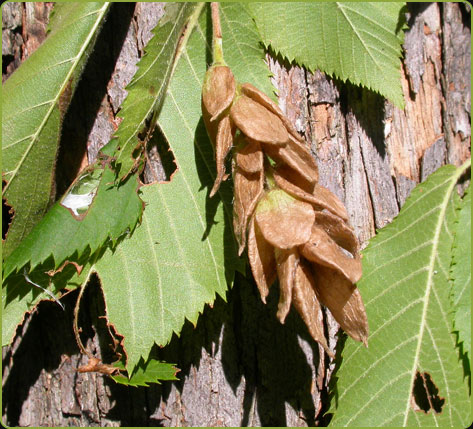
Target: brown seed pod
[293, 228]
[218, 91]
[257, 122]
[284, 221]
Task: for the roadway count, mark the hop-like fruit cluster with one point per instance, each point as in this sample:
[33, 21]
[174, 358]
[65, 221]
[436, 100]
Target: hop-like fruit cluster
[293, 228]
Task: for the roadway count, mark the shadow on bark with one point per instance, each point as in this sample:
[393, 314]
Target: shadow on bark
[273, 363]
[368, 108]
[255, 346]
[47, 342]
[87, 99]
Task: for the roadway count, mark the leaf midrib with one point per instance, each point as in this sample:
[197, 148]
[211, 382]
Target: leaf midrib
[430, 289]
[355, 31]
[164, 82]
[430, 282]
[100, 12]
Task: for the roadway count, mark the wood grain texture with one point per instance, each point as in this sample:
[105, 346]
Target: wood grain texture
[239, 365]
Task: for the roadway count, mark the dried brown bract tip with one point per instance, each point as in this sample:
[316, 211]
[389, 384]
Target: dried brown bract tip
[262, 260]
[248, 188]
[223, 146]
[218, 92]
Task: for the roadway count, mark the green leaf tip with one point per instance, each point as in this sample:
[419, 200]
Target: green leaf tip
[153, 371]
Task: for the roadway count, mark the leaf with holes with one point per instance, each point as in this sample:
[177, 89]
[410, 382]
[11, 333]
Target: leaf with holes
[34, 101]
[66, 232]
[356, 41]
[461, 275]
[405, 287]
[184, 252]
[61, 236]
[147, 89]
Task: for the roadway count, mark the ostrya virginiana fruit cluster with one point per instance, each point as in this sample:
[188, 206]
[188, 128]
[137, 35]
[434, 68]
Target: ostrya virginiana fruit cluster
[294, 229]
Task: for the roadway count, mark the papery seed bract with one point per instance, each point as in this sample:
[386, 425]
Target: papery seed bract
[248, 156]
[344, 301]
[260, 97]
[224, 144]
[286, 265]
[320, 197]
[284, 221]
[323, 250]
[293, 179]
[218, 90]
[307, 305]
[248, 189]
[257, 122]
[296, 156]
[338, 230]
[262, 259]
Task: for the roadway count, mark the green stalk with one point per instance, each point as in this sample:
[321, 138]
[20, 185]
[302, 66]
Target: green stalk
[217, 36]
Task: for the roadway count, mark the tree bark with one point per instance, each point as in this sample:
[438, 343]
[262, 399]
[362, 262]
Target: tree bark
[239, 366]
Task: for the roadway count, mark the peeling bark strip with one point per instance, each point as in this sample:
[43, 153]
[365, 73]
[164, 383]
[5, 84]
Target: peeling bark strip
[239, 366]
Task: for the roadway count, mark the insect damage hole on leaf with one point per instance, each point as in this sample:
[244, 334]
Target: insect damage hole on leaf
[102, 328]
[425, 394]
[7, 214]
[82, 192]
[160, 162]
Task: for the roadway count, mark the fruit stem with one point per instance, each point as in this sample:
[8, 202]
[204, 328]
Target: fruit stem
[217, 35]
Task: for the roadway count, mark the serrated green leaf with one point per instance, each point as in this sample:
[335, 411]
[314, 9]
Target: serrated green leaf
[184, 252]
[405, 287]
[147, 89]
[358, 41]
[242, 47]
[34, 101]
[145, 374]
[62, 235]
[461, 275]
[167, 271]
